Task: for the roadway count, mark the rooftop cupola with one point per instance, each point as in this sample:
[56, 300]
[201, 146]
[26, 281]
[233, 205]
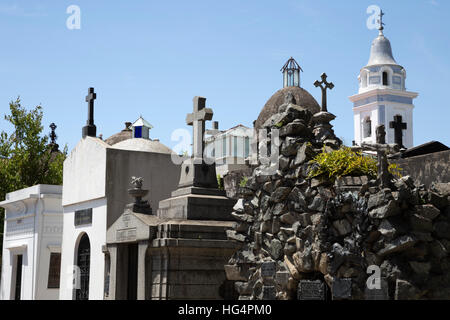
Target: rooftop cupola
[291, 73]
[141, 128]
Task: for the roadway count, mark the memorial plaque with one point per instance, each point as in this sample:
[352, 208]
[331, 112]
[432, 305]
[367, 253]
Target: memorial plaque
[268, 269]
[268, 293]
[282, 278]
[378, 294]
[311, 290]
[83, 217]
[342, 289]
[126, 235]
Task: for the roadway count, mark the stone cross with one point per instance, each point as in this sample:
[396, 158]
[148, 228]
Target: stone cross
[382, 148]
[90, 129]
[324, 90]
[197, 119]
[398, 127]
[90, 100]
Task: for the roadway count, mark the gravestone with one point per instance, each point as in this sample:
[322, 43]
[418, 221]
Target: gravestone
[311, 290]
[378, 294]
[342, 289]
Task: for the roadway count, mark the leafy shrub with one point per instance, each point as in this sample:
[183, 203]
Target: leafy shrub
[243, 182]
[346, 162]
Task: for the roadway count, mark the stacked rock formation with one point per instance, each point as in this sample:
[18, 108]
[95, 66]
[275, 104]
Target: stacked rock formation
[293, 229]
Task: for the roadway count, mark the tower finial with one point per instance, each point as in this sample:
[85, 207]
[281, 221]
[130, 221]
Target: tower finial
[380, 22]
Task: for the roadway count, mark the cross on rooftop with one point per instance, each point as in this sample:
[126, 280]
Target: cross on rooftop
[197, 119]
[398, 127]
[324, 90]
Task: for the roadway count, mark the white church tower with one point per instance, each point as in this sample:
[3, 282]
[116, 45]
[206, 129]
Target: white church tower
[382, 97]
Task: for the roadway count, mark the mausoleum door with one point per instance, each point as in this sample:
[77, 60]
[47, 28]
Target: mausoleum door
[132, 271]
[83, 262]
[18, 277]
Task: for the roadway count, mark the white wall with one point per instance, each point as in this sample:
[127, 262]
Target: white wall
[80, 169]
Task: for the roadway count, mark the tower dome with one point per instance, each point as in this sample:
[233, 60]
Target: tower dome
[381, 51]
[291, 83]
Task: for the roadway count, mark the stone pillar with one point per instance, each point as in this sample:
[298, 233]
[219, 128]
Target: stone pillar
[141, 276]
[112, 248]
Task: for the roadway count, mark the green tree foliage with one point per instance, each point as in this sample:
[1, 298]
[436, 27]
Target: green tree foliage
[25, 155]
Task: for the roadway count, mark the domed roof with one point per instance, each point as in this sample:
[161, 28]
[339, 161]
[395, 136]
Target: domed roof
[381, 51]
[145, 145]
[302, 97]
[125, 134]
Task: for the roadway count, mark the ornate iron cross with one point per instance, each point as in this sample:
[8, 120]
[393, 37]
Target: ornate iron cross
[53, 135]
[380, 21]
[398, 127]
[197, 119]
[320, 84]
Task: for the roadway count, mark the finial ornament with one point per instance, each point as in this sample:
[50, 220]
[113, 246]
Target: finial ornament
[380, 22]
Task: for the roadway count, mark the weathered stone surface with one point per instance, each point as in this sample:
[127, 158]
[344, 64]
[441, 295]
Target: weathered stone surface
[280, 194]
[343, 227]
[317, 204]
[381, 293]
[442, 229]
[404, 290]
[438, 249]
[288, 218]
[388, 210]
[291, 267]
[304, 153]
[239, 206]
[439, 201]
[276, 249]
[303, 261]
[428, 211]
[400, 244]
[341, 289]
[293, 129]
[233, 235]
[387, 229]
[420, 267]
[421, 224]
[235, 273]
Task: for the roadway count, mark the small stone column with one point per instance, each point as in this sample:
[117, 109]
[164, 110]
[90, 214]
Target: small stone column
[141, 276]
[112, 248]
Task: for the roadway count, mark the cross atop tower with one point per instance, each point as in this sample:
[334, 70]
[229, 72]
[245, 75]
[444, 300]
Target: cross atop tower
[53, 137]
[380, 22]
[328, 85]
[197, 119]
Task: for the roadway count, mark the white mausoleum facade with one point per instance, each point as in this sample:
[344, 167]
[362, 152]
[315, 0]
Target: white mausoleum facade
[32, 244]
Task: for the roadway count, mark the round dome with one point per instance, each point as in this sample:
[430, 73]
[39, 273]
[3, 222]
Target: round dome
[125, 134]
[381, 52]
[302, 97]
[145, 145]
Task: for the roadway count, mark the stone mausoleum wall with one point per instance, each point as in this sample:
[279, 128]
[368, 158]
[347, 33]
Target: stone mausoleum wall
[428, 168]
[308, 239]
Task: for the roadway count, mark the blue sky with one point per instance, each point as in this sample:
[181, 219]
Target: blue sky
[153, 57]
